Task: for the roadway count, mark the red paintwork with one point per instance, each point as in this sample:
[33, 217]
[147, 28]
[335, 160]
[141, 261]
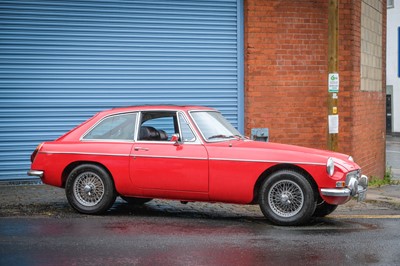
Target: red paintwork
[224, 171]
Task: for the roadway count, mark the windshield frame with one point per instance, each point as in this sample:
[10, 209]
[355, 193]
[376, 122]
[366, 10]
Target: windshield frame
[234, 134]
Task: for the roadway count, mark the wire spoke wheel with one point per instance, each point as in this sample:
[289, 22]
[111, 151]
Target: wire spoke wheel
[285, 198]
[88, 189]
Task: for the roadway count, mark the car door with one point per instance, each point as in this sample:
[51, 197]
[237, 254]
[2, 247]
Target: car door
[163, 167]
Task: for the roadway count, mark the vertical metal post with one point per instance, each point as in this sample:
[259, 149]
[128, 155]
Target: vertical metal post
[333, 67]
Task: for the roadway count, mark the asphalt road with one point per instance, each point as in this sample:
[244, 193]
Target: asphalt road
[168, 233]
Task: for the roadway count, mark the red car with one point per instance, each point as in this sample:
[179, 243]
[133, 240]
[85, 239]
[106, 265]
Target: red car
[192, 153]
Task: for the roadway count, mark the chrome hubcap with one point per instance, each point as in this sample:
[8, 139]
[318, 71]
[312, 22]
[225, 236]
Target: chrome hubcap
[285, 198]
[88, 189]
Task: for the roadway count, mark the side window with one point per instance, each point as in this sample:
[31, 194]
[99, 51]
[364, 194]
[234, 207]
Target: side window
[163, 123]
[187, 133]
[157, 125]
[117, 127]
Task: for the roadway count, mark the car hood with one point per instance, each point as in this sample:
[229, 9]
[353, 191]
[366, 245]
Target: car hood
[284, 153]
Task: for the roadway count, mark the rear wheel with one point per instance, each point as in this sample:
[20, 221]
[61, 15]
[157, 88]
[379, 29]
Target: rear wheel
[90, 189]
[287, 198]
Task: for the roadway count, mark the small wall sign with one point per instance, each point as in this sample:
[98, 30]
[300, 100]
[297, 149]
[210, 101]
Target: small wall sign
[333, 82]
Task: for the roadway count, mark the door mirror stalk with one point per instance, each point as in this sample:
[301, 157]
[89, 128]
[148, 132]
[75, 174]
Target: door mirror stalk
[175, 139]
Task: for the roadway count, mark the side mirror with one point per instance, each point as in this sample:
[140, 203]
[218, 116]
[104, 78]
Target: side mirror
[175, 139]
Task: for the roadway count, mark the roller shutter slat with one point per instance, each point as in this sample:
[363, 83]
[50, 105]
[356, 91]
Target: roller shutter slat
[63, 61]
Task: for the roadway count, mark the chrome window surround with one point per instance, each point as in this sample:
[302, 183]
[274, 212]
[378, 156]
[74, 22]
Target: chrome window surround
[82, 138]
[138, 121]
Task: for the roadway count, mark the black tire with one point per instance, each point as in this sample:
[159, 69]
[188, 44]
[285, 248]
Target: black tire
[90, 189]
[323, 209]
[136, 201]
[286, 198]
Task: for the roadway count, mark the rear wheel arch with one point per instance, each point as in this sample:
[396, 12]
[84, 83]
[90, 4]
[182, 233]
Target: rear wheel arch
[267, 173]
[74, 165]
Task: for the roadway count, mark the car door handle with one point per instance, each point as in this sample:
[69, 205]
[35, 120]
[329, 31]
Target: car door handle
[140, 149]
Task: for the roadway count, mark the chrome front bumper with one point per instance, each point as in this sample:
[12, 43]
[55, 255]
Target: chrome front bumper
[355, 188]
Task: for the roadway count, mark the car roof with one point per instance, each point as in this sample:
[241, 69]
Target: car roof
[157, 107]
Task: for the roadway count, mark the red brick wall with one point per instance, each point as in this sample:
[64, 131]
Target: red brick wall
[286, 46]
[285, 70]
[362, 123]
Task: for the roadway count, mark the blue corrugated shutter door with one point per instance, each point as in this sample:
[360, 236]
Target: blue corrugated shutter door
[62, 61]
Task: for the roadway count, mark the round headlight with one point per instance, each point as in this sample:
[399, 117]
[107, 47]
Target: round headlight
[330, 167]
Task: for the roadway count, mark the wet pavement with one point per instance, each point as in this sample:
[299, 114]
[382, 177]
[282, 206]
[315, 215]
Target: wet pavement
[38, 227]
[169, 233]
[191, 242]
[186, 241]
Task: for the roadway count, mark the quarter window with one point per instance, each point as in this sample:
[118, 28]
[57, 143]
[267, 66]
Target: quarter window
[117, 127]
[187, 133]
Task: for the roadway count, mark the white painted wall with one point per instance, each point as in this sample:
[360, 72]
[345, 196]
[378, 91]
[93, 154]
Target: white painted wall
[392, 61]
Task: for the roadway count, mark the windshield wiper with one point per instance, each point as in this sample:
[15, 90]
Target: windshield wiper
[238, 137]
[220, 137]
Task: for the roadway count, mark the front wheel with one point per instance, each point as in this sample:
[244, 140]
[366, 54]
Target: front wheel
[287, 198]
[323, 209]
[90, 189]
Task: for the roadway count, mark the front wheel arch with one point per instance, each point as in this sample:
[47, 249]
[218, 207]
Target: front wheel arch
[279, 167]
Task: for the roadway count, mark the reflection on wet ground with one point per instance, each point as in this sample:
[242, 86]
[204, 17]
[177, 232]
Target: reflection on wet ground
[168, 233]
[183, 241]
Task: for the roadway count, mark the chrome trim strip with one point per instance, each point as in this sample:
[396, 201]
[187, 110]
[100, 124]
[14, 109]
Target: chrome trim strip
[109, 140]
[139, 142]
[176, 157]
[169, 157]
[128, 155]
[264, 161]
[35, 173]
[85, 153]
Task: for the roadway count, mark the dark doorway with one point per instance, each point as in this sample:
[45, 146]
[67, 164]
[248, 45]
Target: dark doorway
[388, 114]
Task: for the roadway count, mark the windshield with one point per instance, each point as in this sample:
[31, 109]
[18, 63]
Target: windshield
[213, 126]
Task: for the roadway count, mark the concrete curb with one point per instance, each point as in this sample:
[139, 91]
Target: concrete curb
[388, 196]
